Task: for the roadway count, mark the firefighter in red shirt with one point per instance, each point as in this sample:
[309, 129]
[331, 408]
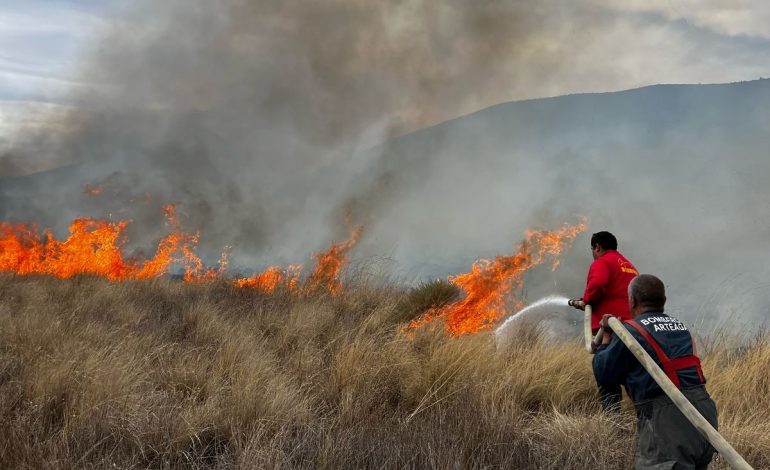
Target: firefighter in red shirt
[607, 294]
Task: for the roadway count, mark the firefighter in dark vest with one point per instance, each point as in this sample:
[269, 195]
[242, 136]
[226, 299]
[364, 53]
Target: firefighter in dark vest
[667, 440]
[607, 293]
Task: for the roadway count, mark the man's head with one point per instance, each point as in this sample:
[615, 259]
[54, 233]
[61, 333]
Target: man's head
[601, 242]
[646, 293]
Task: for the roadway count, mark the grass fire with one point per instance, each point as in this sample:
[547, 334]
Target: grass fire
[347, 234]
[108, 361]
[95, 247]
[491, 282]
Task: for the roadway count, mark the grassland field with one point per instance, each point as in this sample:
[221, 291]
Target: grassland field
[166, 374]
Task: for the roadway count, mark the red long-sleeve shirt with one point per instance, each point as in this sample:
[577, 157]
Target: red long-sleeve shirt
[607, 286]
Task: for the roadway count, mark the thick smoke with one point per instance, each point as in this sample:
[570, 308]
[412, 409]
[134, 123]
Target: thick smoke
[252, 114]
[265, 120]
[676, 172]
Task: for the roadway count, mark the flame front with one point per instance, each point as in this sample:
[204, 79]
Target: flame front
[326, 273]
[273, 277]
[94, 247]
[490, 281]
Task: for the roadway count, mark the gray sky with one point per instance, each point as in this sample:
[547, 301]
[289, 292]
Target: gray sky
[609, 47]
[40, 41]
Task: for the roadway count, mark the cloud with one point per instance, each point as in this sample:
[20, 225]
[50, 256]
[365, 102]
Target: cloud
[476, 53]
[723, 17]
[41, 42]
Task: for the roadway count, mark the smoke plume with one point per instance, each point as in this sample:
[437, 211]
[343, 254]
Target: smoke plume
[251, 114]
[264, 120]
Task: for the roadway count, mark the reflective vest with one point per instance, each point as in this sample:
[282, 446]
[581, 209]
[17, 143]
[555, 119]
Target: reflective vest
[671, 366]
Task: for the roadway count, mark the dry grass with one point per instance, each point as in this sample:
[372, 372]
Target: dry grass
[163, 374]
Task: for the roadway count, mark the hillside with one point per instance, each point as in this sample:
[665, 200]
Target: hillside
[678, 172]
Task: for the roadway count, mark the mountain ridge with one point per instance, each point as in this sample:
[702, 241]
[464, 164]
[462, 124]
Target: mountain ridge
[678, 172]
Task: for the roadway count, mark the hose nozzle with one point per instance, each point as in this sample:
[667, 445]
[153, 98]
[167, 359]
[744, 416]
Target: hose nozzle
[576, 303]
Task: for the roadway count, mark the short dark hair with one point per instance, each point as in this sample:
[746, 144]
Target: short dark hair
[605, 240]
[648, 291]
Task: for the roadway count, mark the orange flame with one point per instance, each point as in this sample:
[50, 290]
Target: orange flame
[195, 270]
[92, 190]
[326, 273]
[96, 247]
[93, 247]
[490, 281]
[273, 277]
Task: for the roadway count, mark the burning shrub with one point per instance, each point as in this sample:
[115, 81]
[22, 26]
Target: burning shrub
[424, 297]
[491, 280]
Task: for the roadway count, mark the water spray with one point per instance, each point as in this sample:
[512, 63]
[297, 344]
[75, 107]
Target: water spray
[591, 341]
[551, 300]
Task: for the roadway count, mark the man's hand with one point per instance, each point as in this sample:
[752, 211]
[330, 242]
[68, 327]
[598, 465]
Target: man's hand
[605, 325]
[577, 303]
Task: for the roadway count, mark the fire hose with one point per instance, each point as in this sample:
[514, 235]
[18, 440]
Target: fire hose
[591, 340]
[731, 456]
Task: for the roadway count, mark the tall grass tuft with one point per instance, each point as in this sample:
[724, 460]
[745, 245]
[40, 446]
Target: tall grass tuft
[426, 296]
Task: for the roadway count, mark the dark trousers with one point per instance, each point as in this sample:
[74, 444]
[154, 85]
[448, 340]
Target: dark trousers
[667, 440]
[610, 397]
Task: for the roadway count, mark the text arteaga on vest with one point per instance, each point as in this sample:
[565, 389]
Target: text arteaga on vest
[664, 324]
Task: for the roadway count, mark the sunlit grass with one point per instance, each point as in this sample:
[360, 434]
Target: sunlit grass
[163, 374]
